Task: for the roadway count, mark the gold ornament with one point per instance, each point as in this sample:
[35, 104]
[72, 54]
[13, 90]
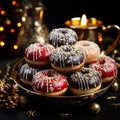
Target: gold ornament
[95, 108]
[115, 86]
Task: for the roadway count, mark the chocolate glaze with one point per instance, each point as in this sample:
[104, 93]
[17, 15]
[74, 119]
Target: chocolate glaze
[27, 72]
[67, 55]
[62, 36]
[84, 79]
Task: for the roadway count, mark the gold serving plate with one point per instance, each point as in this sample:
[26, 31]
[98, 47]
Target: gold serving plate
[66, 100]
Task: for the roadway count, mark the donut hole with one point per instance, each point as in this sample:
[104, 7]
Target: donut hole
[40, 45]
[50, 74]
[85, 71]
[67, 49]
[64, 31]
[102, 60]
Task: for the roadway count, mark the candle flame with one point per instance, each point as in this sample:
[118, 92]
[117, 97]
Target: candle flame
[83, 20]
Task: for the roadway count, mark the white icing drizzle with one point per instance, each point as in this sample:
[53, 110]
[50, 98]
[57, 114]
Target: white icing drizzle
[62, 53]
[37, 50]
[48, 79]
[26, 71]
[85, 79]
[106, 66]
[62, 36]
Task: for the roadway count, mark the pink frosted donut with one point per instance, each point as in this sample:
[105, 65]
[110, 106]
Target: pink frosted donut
[106, 66]
[50, 82]
[92, 50]
[37, 54]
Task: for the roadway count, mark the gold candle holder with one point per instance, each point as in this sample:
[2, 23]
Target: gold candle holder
[93, 29]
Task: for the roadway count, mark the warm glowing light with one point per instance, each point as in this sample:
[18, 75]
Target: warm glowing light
[75, 21]
[8, 22]
[41, 15]
[13, 2]
[15, 47]
[2, 12]
[100, 37]
[23, 19]
[83, 20]
[115, 51]
[12, 30]
[19, 24]
[94, 21]
[1, 28]
[2, 43]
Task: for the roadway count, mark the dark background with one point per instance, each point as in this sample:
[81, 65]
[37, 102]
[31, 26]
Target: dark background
[58, 11]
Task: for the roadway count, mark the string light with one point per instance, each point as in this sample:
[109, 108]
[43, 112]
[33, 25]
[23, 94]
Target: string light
[2, 12]
[12, 30]
[13, 2]
[15, 47]
[8, 21]
[1, 28]
[19, 24]
[9, 26]
[2, 43]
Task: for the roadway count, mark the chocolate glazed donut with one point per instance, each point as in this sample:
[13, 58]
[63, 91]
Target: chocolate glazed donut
[84, 81]
[67, 58]
[26, 73]
[62, 36]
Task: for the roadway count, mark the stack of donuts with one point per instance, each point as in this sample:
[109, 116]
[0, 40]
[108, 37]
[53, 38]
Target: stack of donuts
[66, 64]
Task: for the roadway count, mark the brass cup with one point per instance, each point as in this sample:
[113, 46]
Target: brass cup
[94, 31]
